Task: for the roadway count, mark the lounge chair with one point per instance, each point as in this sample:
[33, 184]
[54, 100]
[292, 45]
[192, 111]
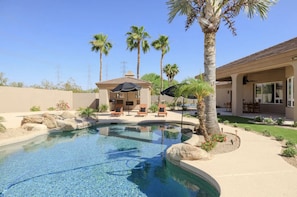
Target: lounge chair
[162, 110]
[118, 111]
[142, 110]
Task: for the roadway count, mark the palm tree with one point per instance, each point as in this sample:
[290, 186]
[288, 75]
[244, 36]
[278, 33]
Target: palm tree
[209, 14]
[161, 44]
[200, 89]
[137, 39]
[103, 45]
[170, 71]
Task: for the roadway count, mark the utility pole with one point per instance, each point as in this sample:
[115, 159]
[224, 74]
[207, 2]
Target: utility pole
[124, 67]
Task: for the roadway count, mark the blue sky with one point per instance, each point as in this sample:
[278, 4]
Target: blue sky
[49, 39]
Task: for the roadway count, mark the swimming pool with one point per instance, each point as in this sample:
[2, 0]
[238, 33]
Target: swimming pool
[113, 160]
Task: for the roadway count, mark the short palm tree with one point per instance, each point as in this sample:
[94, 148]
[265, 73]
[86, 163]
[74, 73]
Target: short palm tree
[209, 14]
[137, 40]
[103, 45]
[200, 89]
[161, 44]
[170, 71]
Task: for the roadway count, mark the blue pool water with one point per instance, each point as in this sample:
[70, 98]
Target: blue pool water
[114, 160]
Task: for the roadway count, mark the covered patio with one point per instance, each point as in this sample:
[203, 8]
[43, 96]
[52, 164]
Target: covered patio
[261, 83]
[129, 100]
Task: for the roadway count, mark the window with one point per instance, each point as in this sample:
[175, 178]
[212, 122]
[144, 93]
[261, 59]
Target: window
[269, 92]
[290, 92]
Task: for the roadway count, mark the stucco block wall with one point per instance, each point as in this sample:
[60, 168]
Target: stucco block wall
[22, 99]
[85, 100]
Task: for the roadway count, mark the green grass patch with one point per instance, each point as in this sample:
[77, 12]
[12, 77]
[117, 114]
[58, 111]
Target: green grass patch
[287, 133]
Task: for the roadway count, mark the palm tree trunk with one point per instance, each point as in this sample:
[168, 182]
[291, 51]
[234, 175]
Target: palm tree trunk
[210, 76]
[138, 59]
[201, 117]
[100, 75]
[161, 77]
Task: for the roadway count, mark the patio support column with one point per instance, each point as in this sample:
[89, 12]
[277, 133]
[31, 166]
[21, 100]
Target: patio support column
[237, 94]
[294, 64]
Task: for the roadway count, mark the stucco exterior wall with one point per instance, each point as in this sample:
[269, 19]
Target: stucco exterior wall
[85, 100]
[22, 99]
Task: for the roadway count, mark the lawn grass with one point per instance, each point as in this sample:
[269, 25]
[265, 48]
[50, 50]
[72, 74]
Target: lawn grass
[274, 130]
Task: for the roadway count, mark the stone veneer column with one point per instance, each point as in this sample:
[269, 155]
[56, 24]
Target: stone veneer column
[237, 94]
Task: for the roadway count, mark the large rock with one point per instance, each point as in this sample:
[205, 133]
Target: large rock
[195, 140]
[32, 119]
[67, 115]
[34, 127]
[182, 151]
[49, 120]
[67, 125]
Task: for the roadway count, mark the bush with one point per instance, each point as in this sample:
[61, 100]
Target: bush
[208, 146]
[218, 137]
[35, 108]
[279, 138]
[280, 121]
[235, 125]
[226, 122]
[294, 124]
[2, 128]
[87, 112]
[266, 133]
[153, 108]
[258, 119]
[268, 121]
[247, 128]
[51, 109]
[2, 119]
[62, 105]
[289, 152]
[103, 108]
[290, 143]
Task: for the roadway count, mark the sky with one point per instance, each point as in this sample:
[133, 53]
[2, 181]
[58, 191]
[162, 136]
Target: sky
[49, 40]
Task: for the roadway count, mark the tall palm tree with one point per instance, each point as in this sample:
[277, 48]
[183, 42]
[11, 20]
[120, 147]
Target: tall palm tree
[137, 40]
[200, 89]
[170, 71]
[161, 44]
[209, 14]
[103, 45]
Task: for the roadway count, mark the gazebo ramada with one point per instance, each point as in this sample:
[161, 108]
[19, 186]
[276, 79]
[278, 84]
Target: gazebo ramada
[143, 96]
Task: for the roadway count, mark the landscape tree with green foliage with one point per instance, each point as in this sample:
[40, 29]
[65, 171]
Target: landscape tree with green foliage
[200, 89]
[103, 45]
[161, 44]
[136, 39]
[171, 71]
[209, 14]
[3, 80]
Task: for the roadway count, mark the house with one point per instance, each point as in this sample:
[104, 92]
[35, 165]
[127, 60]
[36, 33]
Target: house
[129, 100]
[261, 82]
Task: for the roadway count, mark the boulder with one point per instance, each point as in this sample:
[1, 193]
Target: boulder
[32, 119]
[182, 151]
[67, 125]
[34, 127]
[67, 115]
[49, 120]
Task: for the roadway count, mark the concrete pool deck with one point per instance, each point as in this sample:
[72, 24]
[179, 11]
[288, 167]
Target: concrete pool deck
[254, 169]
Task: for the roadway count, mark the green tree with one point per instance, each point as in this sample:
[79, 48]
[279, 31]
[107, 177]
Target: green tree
[161, 44]
[209, 14]
[103, 45]
[136, 39]
[200, 89]
[170, 71]
[3, 80]
[17, 84]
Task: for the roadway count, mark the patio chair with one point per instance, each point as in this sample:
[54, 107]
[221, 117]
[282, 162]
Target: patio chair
[118, 111]
[142, 110]
[162, 110]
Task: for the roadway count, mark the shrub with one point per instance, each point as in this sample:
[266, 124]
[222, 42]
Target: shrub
[218, 137]
[103, 108]
[280, 121]
[247, 128]
[35, 108]
[62, 105]
[2, 128]
[87, 112]
[2, 119]
[153, 108]
[279, 138]
[51, 109]
[171, 106]
[294, 124]
[258, 119]
[266, 133]
[290, 143]
[268, 121]
[226, 122]
[289, 152]
[208, 146]
[235, 125]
